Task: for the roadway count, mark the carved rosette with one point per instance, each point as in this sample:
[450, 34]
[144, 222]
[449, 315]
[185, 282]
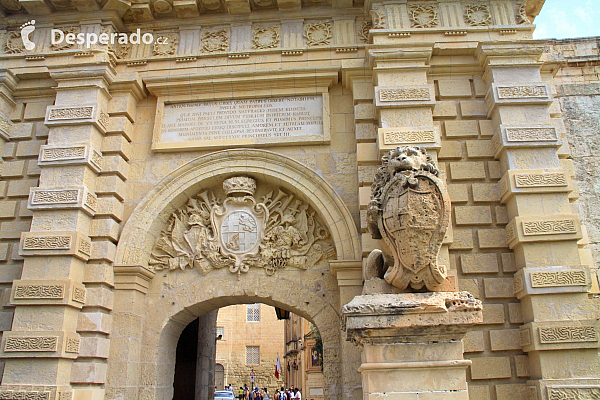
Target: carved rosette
[423, 16]
[239, 232]
[318, 34]
[410, 210]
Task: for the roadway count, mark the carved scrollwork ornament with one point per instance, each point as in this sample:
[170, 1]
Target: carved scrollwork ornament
[239, 232]
[410, 210]
[522, 17]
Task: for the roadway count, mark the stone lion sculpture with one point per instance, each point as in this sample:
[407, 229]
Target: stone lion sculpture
[409, 209]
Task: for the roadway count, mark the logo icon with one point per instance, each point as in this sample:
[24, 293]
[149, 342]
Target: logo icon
[26, 30]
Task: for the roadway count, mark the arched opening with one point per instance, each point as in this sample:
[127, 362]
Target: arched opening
[177, 296]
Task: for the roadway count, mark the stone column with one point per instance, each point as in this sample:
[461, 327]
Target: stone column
[207, 355]
[411, 343]
[43, 343]
[560, 329]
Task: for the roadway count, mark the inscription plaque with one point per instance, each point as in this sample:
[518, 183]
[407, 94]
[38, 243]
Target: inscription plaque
[243, 122]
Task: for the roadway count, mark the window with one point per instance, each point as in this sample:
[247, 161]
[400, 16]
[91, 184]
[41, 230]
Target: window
[252, 355]
[220, 332]
[253, 312]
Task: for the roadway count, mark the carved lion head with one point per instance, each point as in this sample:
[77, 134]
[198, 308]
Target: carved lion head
[409, 158]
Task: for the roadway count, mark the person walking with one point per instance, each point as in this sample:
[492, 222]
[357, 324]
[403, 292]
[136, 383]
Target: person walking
[297, 394]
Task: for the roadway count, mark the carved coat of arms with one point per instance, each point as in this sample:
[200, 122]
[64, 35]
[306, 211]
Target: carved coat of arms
[238, 232]
[409, 209]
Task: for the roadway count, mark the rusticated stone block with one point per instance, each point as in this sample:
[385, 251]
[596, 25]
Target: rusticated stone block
[454, 88]
[467, 170]
[473, 109]
[512, 392]
[505, 339]
[485, 193]
[456, 129]
[473, 342]
[450, 150]
[490, 368]
[458, 193]
[479, 263]
[498, 288]
[491, 238]
[473, 215]
[463, 239]
[480, 148]
[445, 109]
[493, 314]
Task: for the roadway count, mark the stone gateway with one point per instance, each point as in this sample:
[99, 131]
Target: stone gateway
[416, 179]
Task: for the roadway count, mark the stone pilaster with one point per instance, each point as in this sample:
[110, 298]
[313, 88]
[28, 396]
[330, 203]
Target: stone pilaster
[51, 293]
[404, 99]
[412, 343]
[559, 332]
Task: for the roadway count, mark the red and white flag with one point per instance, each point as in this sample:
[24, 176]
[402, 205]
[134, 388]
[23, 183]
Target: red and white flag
[277, 367]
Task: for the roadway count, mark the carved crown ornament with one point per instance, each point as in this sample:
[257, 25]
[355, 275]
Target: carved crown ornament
[409, 209]
[238, 232]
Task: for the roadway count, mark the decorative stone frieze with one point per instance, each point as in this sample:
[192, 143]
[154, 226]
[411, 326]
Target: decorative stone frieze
[390, 138]
[238, 232]
[265, 37]
[64, 45]
[409, 209]
[62, 199]
[557, 335]
[55, 244]
[570, 392]
[534, 181]
[37, 292]
[318, 34]
[518, 94]
[167, 46]
[215, 41]
[478, 15]
[77, 154]
[423, 15]
[76, 115]
[548, 280]
[14, 43]
[542, 229]
[404, 96]
[21, 344]
[524, 136]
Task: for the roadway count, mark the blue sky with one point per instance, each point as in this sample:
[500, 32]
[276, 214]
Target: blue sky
[568, 19]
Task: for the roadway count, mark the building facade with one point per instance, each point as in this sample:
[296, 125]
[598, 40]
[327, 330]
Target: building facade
[250, 338]
[229, 160]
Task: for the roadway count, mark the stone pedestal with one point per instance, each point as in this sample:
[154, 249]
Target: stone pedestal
[412, 343]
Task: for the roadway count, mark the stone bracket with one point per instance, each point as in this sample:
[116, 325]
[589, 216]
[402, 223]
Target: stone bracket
[78, 154]
[543, 229]
[77, 115]
[48, 292]
[133, 277]
[405, 96]
[559, 335]
[50, 344]
[55, 244]
[551, 280]
[534, 181]
[79, 198]
[427, 137]
[347, 272]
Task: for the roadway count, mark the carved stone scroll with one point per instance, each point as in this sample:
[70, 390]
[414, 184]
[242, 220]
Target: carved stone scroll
[239, 232]
[409, 209]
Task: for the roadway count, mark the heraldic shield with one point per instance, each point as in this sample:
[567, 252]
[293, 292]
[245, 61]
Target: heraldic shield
[410, 210]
